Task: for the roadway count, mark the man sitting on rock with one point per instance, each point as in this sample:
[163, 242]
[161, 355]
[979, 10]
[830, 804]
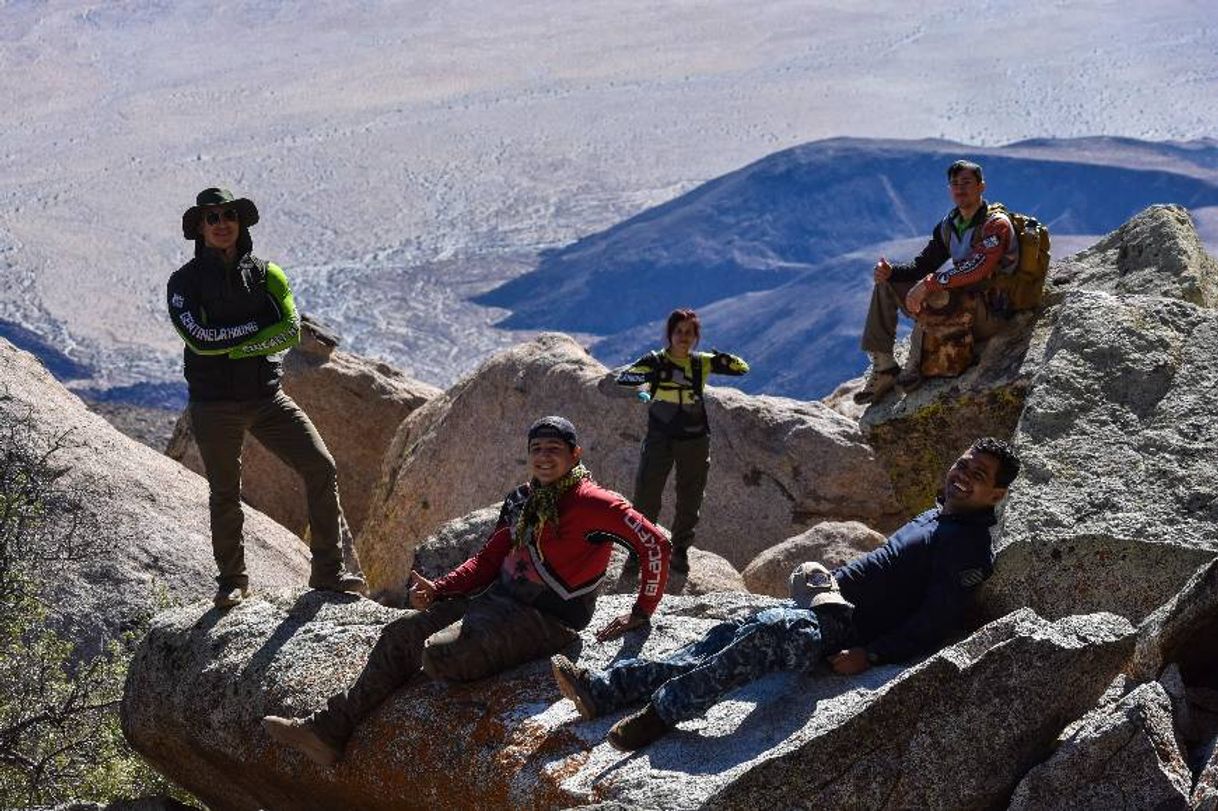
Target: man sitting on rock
[978, 241]
[907, 597]
[523, 596]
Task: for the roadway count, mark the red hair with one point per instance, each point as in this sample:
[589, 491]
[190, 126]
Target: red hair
[676, 317]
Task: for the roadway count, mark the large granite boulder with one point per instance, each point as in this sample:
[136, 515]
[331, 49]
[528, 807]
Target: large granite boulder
[1117, 504]
[149, 511]
[833, 543]
[356, 405]
[957, 730]
[778, 466]
[1122, 756]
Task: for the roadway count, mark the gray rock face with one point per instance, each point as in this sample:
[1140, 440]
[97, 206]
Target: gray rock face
[957, 731]
[831, 542]
[355, 404]
[1182, 627]
[153, 510]
[455, 542]
[778, 466]
[1205, 792]
[1124, 755]
[1117, 504]
[1157, 253]
[917, 436]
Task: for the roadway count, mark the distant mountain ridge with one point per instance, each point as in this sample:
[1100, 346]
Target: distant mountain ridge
[795, 217]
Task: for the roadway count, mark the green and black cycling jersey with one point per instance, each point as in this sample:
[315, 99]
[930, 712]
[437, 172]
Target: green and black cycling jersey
[233, 320]
[675, 386]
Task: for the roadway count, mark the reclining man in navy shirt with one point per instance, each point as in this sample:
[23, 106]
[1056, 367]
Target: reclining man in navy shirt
[896, 603]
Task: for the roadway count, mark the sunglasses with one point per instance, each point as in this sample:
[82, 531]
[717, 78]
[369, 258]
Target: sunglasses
[214, 217]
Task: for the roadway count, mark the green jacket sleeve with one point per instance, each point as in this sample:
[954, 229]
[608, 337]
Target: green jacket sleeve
[721, 363]
[284, 333]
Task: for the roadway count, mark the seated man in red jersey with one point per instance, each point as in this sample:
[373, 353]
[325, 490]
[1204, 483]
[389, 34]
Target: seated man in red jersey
[525, 595]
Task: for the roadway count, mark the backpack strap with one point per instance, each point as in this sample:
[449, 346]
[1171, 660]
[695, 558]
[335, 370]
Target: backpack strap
[658, 362]
[698, 366]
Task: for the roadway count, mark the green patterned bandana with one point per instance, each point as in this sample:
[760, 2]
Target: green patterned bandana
[542, 505]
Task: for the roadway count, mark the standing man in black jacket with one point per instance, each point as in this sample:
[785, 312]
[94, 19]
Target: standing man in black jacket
[908, 597]
[235, 313]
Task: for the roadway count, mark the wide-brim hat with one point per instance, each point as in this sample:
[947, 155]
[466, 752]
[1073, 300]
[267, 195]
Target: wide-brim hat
[246, 210]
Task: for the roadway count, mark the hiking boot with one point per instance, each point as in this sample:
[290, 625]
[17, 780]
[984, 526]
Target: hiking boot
[638, 730]
[229, 596]
[910, 379]
[573, 683]
[879, 383]
[341, 582]
[298, 734]
[679, 562]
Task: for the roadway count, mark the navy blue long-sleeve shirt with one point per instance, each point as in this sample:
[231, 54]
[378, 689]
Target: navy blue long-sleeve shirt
[912, 593]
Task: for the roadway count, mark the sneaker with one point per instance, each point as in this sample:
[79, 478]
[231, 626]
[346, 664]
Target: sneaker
[573, 683]
[341, 581]
[879, 383]
[679, 562]
[298, 734]
[638, 730]
[229, 596]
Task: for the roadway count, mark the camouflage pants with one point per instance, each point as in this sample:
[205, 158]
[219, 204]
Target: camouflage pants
[690, 680]
[460, 639]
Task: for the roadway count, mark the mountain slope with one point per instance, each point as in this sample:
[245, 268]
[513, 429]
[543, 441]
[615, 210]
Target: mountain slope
[759, 227]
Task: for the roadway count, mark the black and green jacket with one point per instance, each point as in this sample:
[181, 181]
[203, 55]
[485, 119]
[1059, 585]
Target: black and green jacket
[675, 386]
[233, 320]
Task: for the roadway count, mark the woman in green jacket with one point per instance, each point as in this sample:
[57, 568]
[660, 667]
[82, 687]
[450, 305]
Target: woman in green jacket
[678, 434]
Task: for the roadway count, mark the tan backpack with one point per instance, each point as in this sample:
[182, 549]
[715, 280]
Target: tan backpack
[1022, 287]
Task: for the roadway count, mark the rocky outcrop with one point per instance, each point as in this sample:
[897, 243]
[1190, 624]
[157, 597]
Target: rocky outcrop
[1117, 504]
[356, 405]
[917, 436]
[778, 466]
[831, 542]
[1185, 627]
[1205, 792]
[1124, 755]
[150, 512]
[956, 730]
[1157, 253]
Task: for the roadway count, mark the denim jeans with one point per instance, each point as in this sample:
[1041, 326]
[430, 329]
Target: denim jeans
[690, 680]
